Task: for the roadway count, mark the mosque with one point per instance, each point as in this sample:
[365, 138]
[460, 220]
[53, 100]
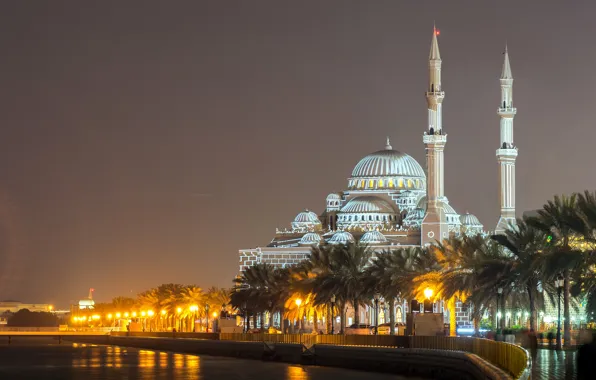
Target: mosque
[391, 200]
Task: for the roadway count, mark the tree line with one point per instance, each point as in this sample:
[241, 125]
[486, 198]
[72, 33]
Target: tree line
[517, 268]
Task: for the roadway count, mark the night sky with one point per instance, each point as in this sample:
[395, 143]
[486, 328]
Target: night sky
[146, 142]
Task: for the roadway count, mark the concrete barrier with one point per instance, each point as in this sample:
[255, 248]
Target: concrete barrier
[435, 364]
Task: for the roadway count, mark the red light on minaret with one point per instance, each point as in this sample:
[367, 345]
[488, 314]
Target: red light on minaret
[437, 32]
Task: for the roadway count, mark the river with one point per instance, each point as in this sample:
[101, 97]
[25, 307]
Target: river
[44, 358]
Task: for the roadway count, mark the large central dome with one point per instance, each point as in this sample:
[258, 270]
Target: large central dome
[388, 163]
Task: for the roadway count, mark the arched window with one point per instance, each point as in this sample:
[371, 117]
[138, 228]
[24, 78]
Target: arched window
[371, 184]
[417, 183]
[399, 316]
[400, 182]
[381, 183]
[409, 183]
[370, 217]
[361, 183]
[378, 218]
[391, 182]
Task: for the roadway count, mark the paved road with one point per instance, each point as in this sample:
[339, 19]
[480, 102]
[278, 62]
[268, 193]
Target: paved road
[551, 364]
[42, 358]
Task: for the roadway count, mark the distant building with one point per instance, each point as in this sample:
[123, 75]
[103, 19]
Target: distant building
[14, 306]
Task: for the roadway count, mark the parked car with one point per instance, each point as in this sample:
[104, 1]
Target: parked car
[360, 329]
[400, 329]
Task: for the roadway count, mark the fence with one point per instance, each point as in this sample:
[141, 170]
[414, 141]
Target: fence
[506, 356]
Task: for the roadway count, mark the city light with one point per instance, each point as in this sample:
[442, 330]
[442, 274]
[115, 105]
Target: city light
[118, 315]
[95, 316]
[143, 313]
[126, 315]
[428, 292]
[298, 302]
[150, 313]
[163, 312]
[109, 316]
[214, 314]
[134, 314]
[179, 310]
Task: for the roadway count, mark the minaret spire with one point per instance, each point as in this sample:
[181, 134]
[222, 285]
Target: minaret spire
[388, 144]
[506, 72]
[434, 224]
[507, 152]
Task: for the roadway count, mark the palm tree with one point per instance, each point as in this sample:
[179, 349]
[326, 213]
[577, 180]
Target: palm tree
[560, 219]
[378, 277]
[193, 301]
[526, 244]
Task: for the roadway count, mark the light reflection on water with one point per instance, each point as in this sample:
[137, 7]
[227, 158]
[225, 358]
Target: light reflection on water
[93, 362]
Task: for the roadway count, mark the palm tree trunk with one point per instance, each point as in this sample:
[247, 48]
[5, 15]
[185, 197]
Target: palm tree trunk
[328, 318]
[342, 317]
[391, 303]
[356, 312]
[567, 316]
[503, 317]
[316, 323]
[452, 318]
[532, 299]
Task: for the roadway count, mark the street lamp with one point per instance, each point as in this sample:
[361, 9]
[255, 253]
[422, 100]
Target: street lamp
[559, 285]
[499, 313]
[207, 315]
[179, 310]
[376, 313]
[298, 303]
[332, 312]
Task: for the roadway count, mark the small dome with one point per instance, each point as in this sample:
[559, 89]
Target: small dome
[333, 197]
[368, 204]
[306, 219]
[446, 206]
[310, 239]
[414, 217]
[373, 237]
[342, 237]
[470, 220]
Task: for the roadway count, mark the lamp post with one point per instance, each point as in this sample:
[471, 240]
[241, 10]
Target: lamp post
[207, 315]
[298, 303]
[332, 312]
[499, 311]
[376, 313]
[559, 286]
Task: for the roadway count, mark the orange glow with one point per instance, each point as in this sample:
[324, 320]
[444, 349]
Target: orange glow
[163, 312]
[437, 32]
[118, 315]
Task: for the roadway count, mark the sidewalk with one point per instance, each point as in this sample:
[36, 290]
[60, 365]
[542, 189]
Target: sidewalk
[550, 364]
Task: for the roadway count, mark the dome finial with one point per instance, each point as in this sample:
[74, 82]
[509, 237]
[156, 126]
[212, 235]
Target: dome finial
[388, 144]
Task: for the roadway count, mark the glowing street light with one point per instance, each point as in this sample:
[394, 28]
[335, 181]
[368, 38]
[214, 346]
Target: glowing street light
[150, 313]
[143, 313]
[109, 316]
[134, 314]
[214, 314]
[118, 315]
[126, 315]
[298, 302]
[428, 292]
[179, 310]
[163, 312]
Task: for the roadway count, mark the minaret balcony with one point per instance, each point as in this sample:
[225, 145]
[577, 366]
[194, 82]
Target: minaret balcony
[434, 139]
[507, 111]
[435, 94]
[510, 153]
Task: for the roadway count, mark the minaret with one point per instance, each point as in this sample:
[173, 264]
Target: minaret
[434, 224]
[507, 152]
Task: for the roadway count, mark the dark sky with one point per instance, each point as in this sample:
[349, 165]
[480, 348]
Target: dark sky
[146, 142]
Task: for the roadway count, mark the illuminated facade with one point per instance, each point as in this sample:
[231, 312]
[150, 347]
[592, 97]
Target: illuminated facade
[391, 200]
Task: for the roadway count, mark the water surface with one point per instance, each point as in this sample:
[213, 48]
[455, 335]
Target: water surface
[44, 358]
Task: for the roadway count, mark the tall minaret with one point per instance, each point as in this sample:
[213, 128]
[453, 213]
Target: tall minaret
[507, 152]
[434, 224]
